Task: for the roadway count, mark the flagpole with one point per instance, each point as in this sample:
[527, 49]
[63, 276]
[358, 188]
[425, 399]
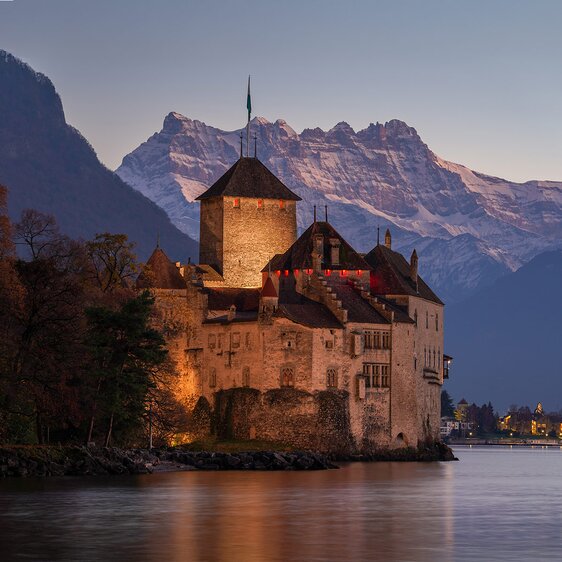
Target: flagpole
[249, 107]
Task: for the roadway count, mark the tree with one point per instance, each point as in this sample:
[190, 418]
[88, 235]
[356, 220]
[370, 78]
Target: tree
[46, 355]
[125, 355]
[447, 405]
[113, 262]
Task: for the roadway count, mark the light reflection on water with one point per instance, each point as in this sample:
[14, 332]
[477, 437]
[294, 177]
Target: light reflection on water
[496, 504]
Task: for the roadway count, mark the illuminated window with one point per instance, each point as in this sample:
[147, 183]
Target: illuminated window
[236, 203]
[281, 204]
[287, 377]
[260, 203]
[332, 378]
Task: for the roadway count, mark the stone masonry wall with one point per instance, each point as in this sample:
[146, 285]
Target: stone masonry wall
[253, 233]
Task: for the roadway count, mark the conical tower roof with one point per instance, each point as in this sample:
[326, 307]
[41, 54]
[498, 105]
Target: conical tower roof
[161, 274]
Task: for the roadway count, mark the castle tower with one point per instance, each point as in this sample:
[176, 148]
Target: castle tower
[247, 217]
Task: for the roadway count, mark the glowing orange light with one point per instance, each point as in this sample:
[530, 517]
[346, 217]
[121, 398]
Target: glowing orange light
[343, 273]
[260, 203]
[278, 273]
[308, 271]
[328, 272]
[286, 273]
[296, 271]
[359, 272]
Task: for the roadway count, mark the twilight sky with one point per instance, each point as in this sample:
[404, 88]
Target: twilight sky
[481, 81]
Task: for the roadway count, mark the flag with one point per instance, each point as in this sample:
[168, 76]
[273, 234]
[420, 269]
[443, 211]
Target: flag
[249, 100]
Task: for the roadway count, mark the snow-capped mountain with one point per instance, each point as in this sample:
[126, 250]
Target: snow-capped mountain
[469, 228]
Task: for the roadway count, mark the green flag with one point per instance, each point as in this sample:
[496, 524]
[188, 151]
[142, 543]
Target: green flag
[249, 100]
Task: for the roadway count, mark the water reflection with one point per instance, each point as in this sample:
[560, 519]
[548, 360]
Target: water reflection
[496, 504]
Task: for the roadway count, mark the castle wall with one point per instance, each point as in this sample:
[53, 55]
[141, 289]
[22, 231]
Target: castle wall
[428, 350]
[253, 233]
[211, 233]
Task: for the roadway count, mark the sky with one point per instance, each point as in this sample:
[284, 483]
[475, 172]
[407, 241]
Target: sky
[480, 80]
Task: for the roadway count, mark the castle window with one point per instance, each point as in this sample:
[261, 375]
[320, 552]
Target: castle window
[212, 377]
[236, 203]
[281, 204]
[426, 319]
[248, 340]
[220, 340]
[236, 340]
[386, 340]
[260, 203]
[287, 377]
[329, 344]
[212, 341]
[416, 317]
[415, 363]
[425, 356]
[376, 375]
[246, 376]
[332, 378]
[436, 322]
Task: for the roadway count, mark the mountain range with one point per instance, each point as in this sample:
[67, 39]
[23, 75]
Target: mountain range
[48, 165]
[506, 340]
[468, 228]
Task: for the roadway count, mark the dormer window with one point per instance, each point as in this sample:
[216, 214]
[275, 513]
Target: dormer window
[335, 251]
[236, 203]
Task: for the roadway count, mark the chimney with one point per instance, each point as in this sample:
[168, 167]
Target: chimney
[414, 268]
[388, 239]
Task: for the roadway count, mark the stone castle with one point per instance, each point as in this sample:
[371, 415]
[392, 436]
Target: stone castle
[297, 340]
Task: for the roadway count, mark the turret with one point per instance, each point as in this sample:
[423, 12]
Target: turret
[388, 239]
[414, 268]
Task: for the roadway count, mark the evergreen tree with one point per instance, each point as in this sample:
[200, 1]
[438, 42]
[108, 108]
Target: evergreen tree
[125, 355]
[447, 406]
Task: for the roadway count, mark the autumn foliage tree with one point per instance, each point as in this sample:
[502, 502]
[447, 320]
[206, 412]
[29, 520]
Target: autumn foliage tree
[79, 358]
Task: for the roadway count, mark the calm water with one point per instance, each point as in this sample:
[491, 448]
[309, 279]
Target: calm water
[496, 504]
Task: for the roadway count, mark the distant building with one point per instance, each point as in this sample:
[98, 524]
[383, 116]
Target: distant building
[300, 340]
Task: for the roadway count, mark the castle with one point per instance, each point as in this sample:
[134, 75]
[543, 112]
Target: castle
[298, 340]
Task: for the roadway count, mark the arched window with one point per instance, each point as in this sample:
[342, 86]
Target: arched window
[246, 376]
[332, 378]
[287, 377]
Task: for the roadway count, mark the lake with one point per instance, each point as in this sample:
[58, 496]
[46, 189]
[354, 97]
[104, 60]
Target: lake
[497, 503]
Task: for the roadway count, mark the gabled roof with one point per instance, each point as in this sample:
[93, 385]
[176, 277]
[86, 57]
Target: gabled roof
[299, 255]
[392, 275]
[161, 273]
[248, 177]
[222, 298]
[307, 312]
[358, 309]
[269, 289]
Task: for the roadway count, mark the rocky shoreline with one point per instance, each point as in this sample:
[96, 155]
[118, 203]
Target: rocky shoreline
[36, 461]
